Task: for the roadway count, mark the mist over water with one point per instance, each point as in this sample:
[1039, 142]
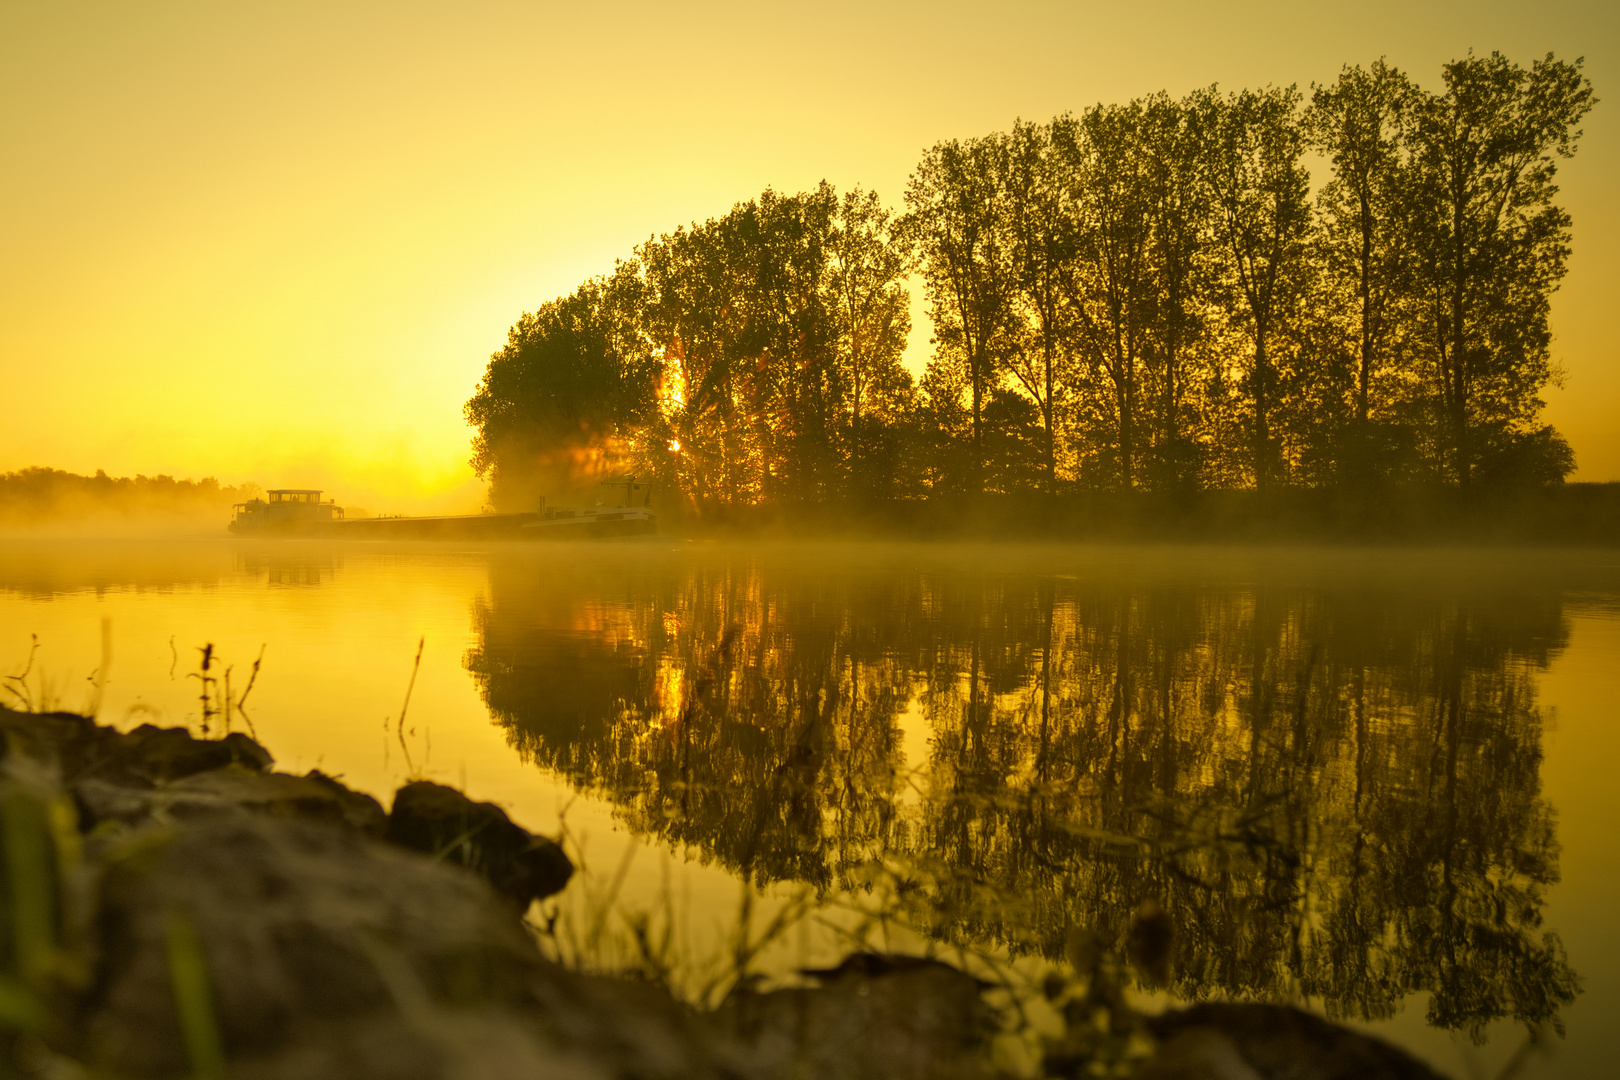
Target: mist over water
[1372, 782]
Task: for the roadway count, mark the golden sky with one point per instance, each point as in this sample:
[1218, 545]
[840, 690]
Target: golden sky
[278, 242]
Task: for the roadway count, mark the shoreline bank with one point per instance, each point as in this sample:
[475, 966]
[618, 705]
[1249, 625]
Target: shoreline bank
[191, 911]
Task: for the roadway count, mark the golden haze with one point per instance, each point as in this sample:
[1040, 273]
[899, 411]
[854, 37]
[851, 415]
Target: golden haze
[279, 244]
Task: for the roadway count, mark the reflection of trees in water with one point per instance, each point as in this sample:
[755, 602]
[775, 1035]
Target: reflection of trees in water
[1334, 792]
[38, 568]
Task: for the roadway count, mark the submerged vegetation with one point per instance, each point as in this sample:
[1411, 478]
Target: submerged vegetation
[1140, 297]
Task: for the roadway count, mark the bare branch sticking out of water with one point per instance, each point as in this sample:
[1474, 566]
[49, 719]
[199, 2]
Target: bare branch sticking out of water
[229, 705]
[417, 666]
[20, 690]
[605, 904]
[207, 683]
[98, 677]
[747, 946]
[253, 677]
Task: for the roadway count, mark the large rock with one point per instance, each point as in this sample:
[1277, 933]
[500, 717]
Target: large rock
[79, 748]
[319, 950]
[1254, 1041]
[231, 789]
[442, 822]
[330, 955]
[46, 737]
[895, 1017]
[156, 755]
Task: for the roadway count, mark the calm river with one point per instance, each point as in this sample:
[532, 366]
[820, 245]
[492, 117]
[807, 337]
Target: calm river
[1383, 784]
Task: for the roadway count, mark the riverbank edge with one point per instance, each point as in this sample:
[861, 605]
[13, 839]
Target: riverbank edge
[180, 908]
[1571, 514]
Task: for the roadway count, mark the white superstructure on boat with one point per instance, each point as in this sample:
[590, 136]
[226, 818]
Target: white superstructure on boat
[599, 522]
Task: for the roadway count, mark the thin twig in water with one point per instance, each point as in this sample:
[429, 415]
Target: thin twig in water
[174, 657]
[207, 681]
[402, 709]
[746, 946]
[21, 690]
[253, 677]
[604, 904]
[228, 703]
[98, 678]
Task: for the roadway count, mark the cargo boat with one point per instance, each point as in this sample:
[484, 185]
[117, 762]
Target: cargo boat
[593, 523]
[285, 512]
[301, 512]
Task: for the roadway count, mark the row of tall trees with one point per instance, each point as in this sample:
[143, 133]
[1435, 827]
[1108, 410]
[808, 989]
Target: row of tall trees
[1144, 295]
[750, 358]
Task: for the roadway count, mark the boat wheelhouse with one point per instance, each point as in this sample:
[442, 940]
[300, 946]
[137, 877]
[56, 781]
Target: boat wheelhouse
[285, 510]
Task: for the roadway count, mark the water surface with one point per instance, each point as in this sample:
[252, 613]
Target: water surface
[1374, 782]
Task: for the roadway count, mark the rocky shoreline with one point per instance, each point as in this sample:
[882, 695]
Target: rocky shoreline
[177, 908]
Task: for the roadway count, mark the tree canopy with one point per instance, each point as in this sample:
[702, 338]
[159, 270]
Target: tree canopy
[1155, 295]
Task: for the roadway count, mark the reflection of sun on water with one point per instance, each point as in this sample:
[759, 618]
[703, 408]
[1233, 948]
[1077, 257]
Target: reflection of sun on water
[915, 742]
[669, 692]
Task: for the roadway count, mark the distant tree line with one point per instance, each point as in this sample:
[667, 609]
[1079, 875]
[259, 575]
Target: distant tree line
[37, 496]
[1146, 296]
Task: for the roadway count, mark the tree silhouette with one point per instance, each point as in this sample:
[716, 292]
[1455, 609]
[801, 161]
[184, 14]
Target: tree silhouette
[1491, 245]
[1142, 295]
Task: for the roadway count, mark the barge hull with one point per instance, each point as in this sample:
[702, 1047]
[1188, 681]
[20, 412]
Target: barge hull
[463, 527]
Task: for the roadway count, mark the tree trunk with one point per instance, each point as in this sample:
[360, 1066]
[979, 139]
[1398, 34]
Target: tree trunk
[1262, 420]
[1459, 350]
[1365, 379]
[1051, 436]
[976, 484]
